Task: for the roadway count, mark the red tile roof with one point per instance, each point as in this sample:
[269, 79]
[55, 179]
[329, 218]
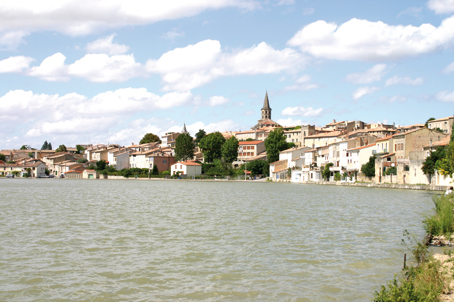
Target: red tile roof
[250, 142]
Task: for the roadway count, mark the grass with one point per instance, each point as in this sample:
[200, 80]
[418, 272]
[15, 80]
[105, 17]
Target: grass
[442, 222]
[425, 281]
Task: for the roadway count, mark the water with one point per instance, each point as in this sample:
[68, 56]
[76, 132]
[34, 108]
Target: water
[133, 240]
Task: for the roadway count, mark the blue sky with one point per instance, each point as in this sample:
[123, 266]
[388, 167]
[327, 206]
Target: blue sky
[77, 72]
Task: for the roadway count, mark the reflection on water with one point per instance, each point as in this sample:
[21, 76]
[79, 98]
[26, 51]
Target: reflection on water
[181, 240]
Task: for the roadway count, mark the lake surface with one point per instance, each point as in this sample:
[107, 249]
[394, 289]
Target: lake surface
[135, 240]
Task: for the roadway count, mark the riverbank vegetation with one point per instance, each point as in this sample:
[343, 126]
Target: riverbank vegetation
[427, 279]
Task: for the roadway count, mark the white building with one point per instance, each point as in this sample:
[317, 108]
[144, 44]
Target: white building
[188, 168]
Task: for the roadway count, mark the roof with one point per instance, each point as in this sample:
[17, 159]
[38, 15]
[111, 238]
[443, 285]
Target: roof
[329, 134]
[266, 102]
[362, 147]
[414, 130]
[74, 171]
[387, 155]
[279, 161]
[415, 125]
[384, 138]
[188, 163]
[441, 119]
[251, 142]
[293, 149]
[443, 142]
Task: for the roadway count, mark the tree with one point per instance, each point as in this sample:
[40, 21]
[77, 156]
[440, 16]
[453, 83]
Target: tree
[80, 149]
[369, 168]
[230, 149]
[149, 138]
[391, 171]
[211, 146]
[428, 166]
[184, 147]
[82, 160]
[2, 157]
[257, 167]
[326, 172]
[275, 143]
[45, 146]
[31, 154]
[49, 146]
[23, 147]
[101, 165]
[155, 170]
[199, 135]
[61, 148]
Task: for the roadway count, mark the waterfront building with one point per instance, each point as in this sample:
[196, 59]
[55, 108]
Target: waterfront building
[444, 124]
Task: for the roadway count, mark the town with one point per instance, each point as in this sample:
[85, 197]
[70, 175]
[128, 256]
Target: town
[345, 151]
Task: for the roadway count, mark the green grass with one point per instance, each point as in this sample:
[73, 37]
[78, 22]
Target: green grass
[442, 222]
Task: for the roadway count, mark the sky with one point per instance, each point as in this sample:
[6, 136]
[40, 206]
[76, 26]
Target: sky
[110, 71]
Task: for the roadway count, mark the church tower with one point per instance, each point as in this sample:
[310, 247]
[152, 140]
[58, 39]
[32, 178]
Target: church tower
[266, 110]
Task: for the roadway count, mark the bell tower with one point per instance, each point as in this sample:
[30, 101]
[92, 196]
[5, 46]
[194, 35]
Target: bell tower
[266, 110]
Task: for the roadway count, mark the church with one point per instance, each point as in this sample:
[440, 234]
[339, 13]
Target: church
[266, 120]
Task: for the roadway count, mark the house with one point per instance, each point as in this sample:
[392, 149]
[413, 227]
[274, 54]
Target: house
[414, 140]
[322, 139]
[357, 157]
[189, 168]
[168, 140]
[36, 168]
[52, 160]
[444, 124]
[279, 170]
[294, 156]
[250, 149]
[122, 159]
[90, 174]
[162, 161]
[73, 174]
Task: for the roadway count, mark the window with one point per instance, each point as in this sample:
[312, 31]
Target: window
[164, 161]
[181, 166]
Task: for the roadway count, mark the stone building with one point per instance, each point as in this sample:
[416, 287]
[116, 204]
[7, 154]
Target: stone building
[266, 120]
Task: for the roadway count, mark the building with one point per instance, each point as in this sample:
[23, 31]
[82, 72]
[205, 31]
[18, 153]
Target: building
[266, 120]
[189, 168]
[444, 124]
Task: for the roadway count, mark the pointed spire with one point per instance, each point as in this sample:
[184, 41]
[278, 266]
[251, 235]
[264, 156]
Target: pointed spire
[266, 102]
[184, 128]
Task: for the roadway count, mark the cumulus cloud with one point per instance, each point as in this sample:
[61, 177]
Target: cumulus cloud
[82, 17]
[365, 40]
[51, 69]
[15, 64]
[302, 83]
[445, 96]
[371, 75]
[218, 100]
[362, 91]
[441, 6]
[301, 111]
[107, 46]
[195, 65]
[290, 122]
[449, 69]
[403, 80]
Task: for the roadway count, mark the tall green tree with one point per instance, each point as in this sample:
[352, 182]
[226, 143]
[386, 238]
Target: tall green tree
[230, 150]
[2, 157]
[326, 172]
[155, 170]
[211, 146]
[369, 168]
[184, 147]
[61, 148]
[24, 147]
[49, 146]
[149, 138]
[45, 146]
[101, 165]
[199, 135]
[80, 149]
[275, 143]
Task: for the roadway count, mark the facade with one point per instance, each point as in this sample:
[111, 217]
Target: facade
[414, 140]
[250, 149]
[163, 162]
[188, 168]
[322, 139]
[168, 140]
[90, 174]
[279, 170]
[444, 124]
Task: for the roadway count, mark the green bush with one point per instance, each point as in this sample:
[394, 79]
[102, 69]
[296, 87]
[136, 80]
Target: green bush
[442, 222]
[337, 176]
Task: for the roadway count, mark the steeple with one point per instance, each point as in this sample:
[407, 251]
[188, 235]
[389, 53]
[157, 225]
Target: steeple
[266, 110]
[184, 128]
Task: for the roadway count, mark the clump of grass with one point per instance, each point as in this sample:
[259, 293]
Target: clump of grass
[442, 222]
[424, 281]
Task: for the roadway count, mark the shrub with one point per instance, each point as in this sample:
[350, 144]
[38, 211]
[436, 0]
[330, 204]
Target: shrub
[442, 222]
[337, 176]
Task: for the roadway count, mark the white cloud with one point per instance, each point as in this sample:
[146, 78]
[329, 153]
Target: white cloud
[106, 45]
[195, 65]
[289, 122]
[371, 75]
[449, 68]
[174, 33]
[403, 80]
[365, 40]
[445, 96]
[15, 64]
[102, 68]
[302, 83]
[218, 100]
[82, 17]
[362, 91]
[12, 39]
[301, 111]
[412, 11]
[286, 2]
[51, 69]
[441, 6]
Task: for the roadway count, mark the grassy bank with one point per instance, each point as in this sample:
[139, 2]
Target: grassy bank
[427, 279]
